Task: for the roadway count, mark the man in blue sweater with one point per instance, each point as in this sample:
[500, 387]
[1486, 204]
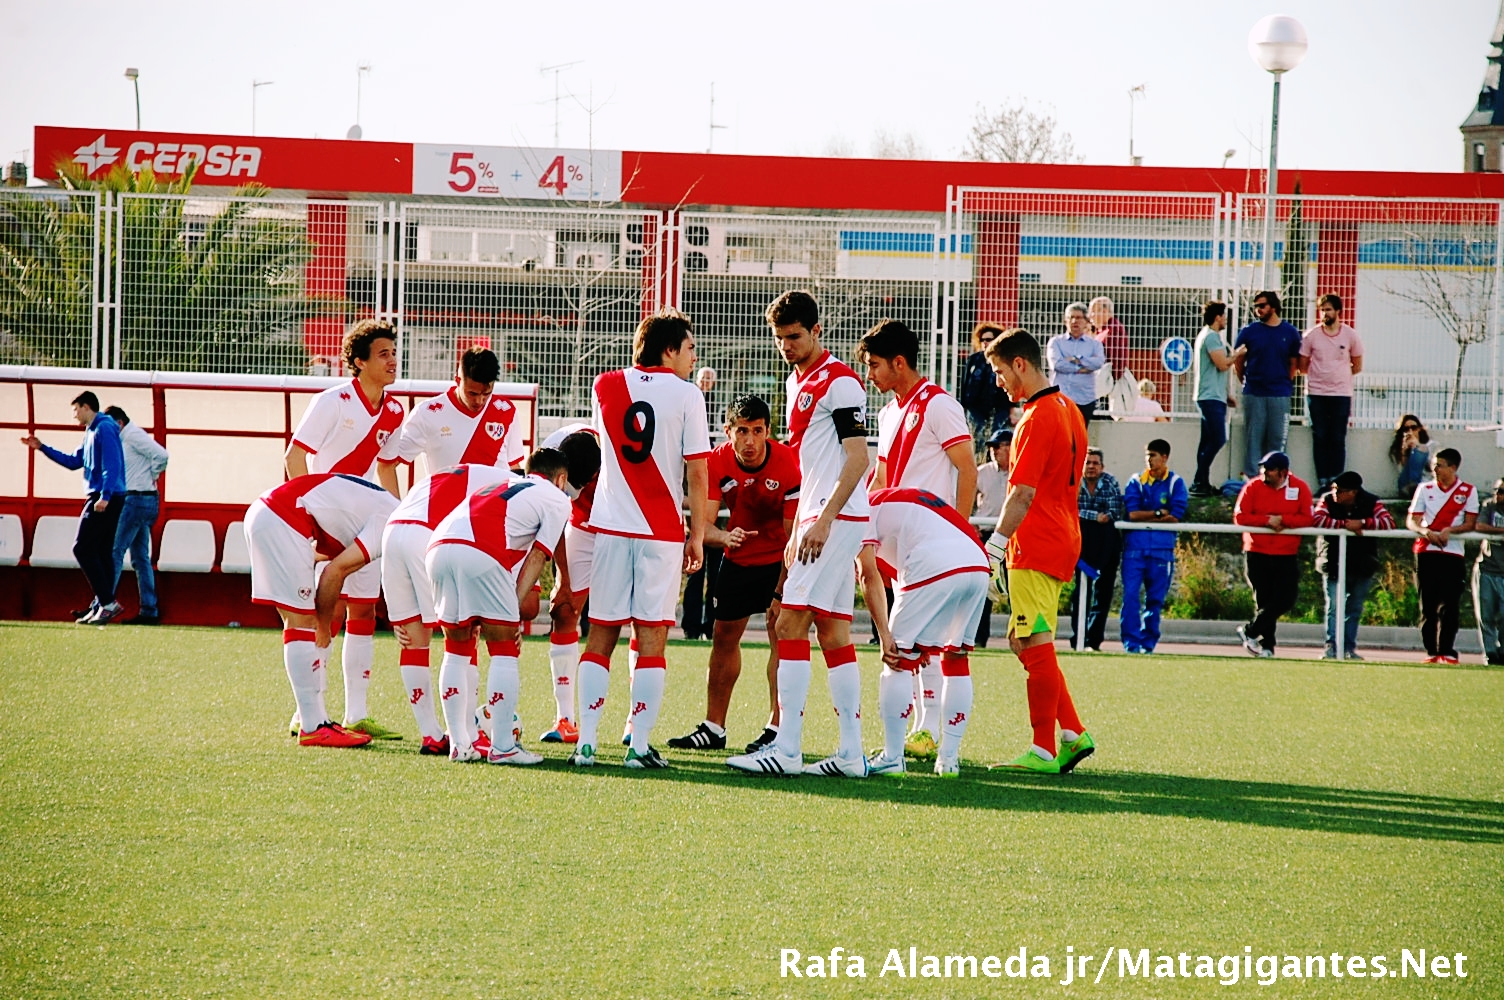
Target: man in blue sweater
[1159, 496]
[103, 461]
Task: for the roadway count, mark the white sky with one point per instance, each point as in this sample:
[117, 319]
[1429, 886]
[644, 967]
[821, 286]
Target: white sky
[1384, 85]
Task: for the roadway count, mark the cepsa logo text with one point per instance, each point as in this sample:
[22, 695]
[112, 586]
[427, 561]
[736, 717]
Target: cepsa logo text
[220, 160]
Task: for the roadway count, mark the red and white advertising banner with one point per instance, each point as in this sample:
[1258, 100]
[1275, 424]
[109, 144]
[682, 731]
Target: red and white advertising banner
[516, 172]
[231, 160]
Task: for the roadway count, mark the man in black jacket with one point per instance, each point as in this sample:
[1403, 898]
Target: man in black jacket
[1346, 504]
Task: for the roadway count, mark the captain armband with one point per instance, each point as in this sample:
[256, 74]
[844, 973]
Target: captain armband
[851, 421]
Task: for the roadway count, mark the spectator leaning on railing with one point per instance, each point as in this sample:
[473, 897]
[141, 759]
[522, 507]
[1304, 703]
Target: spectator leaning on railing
[1157, 496]
[1346, 504]
[1488, 576]
[103, 462]
[145, 460]
[1099, 503]
[1440, 510]
[1279, 501]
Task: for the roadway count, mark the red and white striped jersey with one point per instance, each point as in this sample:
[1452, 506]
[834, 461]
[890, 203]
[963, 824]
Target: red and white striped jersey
[912, 435]
[430, 500]
[334, 510]
[921, 538]
[823, 403]
[446, 434]
[505, 520]
[584, 499]
[343, 433]
[650, 422]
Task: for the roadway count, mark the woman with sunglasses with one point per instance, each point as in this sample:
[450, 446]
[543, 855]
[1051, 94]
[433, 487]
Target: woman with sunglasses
[1410, 451]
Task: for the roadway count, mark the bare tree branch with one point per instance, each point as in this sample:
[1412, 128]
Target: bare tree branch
[1015, 133]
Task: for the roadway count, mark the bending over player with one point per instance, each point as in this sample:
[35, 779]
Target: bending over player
[758, 480]
[409, 591]
[939, 570]
[484, 558]
[343, 517]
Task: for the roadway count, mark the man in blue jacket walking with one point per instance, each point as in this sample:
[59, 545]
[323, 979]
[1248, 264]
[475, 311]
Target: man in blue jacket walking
[103, 461]
[1157, 496]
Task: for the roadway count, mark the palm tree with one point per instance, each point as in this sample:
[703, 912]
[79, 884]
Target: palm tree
[203, 285]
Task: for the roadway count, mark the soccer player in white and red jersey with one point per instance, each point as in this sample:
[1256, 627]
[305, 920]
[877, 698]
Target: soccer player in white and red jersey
[758, 480]
[484, 558]
[923, 442]
[939, 569]
[409, 591]
[651, 423]
[582, 449]
[352, 429]
[827, 408]
[468, 425]
[340, 517]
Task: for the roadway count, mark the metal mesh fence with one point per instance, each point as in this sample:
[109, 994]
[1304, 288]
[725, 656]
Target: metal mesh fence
[1145, 260]
[556, 293]
[1419, 281]
[261, 285]
[859, 270]
[50, 253]
[242, 285]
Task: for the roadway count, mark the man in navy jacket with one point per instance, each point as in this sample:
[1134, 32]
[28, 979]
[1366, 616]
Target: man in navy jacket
[103, 461]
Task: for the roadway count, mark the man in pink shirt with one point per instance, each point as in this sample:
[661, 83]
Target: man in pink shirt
[1330, 355]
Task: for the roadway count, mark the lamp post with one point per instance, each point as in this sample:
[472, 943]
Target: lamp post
[1278, 44]
[133, 74]
[255, 86]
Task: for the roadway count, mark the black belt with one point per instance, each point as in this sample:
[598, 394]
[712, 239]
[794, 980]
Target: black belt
[139, 493]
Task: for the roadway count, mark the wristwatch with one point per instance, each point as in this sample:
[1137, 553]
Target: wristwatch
[1160, 512]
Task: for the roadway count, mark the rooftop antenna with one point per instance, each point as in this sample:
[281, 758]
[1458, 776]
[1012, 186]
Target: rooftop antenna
[556, 70]
[713, 125]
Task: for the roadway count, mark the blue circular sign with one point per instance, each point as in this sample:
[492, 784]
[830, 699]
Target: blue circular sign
[1175, 354]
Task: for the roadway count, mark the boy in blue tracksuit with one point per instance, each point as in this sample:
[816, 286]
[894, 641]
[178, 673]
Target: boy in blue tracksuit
[1159, 496]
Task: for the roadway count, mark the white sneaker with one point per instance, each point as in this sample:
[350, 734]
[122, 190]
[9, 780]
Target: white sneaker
[465, 755]
[836, 766]
[948, 767]
[583, 756]
[768, 760]
[1254, 647]
[881, 763]
[514, 755]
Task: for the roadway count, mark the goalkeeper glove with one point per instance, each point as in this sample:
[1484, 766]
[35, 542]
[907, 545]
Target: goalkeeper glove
[997, 580]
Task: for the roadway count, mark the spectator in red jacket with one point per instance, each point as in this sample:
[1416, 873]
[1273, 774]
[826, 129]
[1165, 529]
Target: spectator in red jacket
[1279, 501]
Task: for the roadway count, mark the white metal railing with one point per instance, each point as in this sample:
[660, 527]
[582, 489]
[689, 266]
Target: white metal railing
[1237, 529]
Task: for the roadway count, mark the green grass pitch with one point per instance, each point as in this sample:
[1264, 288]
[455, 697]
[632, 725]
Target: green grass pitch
[163, 837]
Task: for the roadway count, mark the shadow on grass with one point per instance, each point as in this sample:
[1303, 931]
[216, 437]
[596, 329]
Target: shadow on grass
[1258, 803]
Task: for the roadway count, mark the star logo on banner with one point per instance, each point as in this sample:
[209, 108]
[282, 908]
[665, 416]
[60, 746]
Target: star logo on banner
[96, 155]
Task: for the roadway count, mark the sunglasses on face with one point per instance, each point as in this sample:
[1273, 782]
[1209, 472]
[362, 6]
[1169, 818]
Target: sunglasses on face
[1261, 305]
[1411, 427]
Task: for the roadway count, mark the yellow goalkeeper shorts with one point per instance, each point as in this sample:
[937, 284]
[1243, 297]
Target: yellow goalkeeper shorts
[1035, 601]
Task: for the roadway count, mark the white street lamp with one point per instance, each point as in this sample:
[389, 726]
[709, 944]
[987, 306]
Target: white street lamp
[1278, 44]
[255, 86]
[133, 75]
